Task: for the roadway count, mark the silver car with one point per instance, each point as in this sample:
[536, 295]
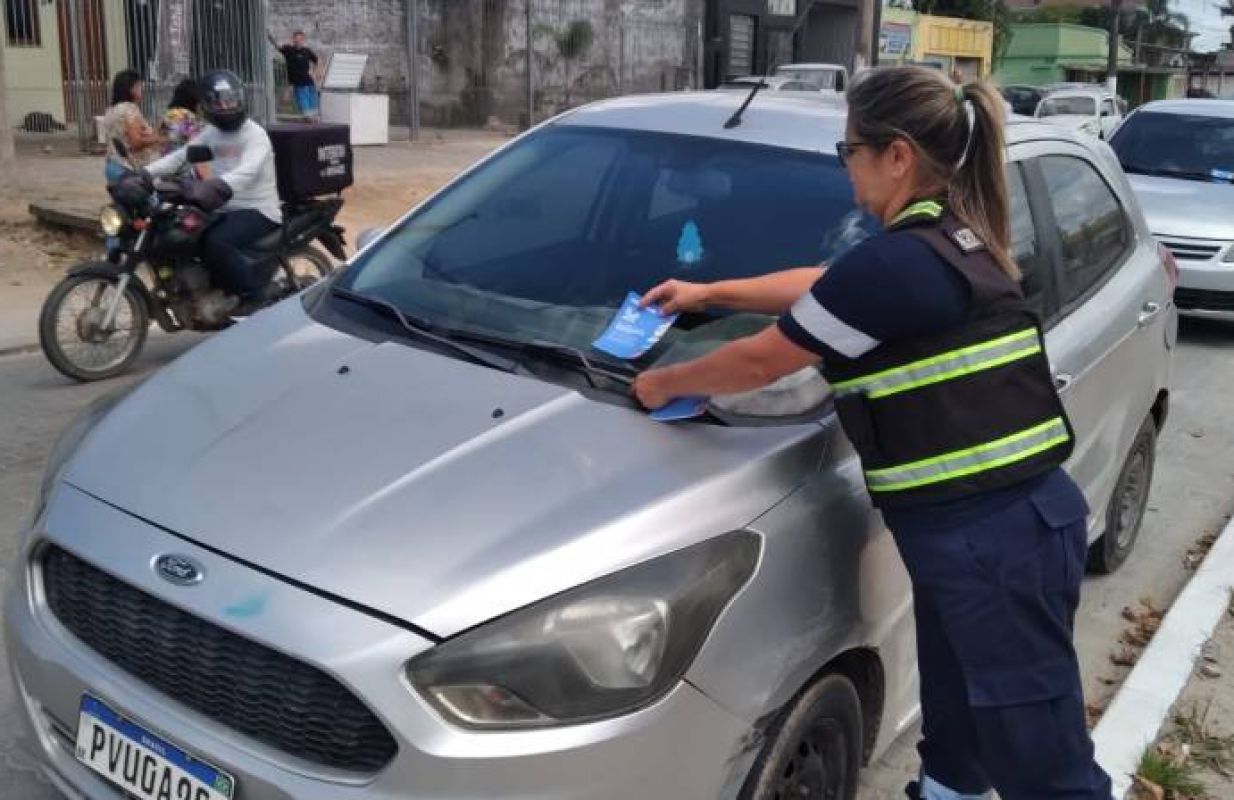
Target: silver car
[1180, 156]
[407, 535]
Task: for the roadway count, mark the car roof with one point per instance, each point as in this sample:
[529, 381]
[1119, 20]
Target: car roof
[1101, 93]
[777, 120]
[811, 66]
[1194, 106]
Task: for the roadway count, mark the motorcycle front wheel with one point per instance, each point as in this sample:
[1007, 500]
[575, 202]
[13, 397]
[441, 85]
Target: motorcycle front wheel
[72, 331]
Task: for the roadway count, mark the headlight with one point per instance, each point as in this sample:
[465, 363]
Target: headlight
[604, 649]
[111, 220]
[67, 443]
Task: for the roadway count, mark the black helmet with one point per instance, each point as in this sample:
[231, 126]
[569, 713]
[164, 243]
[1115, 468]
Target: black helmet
[222, 100]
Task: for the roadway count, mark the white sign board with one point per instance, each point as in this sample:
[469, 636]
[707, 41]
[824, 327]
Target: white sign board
[344, 71]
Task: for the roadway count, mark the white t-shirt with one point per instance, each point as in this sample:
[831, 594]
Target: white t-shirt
[244, 159]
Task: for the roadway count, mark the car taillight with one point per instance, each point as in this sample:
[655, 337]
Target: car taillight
[1170, 264]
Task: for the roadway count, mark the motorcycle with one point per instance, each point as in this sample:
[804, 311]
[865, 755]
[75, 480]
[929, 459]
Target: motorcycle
[94, 323]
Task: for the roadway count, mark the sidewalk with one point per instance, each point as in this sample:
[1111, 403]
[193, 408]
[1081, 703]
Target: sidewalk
[389, 180]
[1194, 758]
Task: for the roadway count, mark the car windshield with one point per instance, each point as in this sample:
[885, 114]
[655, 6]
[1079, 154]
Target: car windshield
[1182, 145]
[544, 241]
[1058, 106]
[817, 78]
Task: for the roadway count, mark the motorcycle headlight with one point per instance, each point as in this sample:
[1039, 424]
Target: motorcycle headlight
[111, 220]
[604, 649]
[66, 445]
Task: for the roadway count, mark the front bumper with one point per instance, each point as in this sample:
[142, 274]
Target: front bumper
[685, 746]
[1205, 279]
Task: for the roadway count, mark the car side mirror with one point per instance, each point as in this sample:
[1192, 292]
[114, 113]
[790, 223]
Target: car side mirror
[839, 82]
[367, 237]
[198, 154]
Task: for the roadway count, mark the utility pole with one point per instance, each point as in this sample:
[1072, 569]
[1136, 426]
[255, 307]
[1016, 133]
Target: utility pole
[413, 69]
[8, 160]
[1111, 67]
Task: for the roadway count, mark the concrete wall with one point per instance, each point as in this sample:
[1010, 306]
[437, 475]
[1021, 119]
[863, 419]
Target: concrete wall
[32, 74]
[474, 55]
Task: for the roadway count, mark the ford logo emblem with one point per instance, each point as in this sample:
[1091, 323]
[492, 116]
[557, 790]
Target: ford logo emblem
[180, 570]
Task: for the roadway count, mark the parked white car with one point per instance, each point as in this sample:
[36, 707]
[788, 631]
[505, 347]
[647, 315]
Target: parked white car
[826, 78]
[1089, 110]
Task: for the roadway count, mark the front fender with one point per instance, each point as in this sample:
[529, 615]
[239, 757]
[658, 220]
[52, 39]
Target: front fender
[113, 272]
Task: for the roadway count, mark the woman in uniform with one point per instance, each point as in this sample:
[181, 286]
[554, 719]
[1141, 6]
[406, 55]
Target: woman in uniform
[942, 384]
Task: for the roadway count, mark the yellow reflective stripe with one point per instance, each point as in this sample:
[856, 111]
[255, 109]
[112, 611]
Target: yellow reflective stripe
[857, 383]
[927, 208]
[959, 372]
[960, 463]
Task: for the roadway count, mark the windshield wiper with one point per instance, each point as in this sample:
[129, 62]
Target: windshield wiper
[1191, 175]
[559, 353]
[424, 330]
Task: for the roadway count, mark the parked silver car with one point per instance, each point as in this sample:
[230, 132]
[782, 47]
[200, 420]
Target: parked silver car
[1180, 156]
[407, 536]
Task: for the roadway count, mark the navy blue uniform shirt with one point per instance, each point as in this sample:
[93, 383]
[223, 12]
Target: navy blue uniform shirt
[892, 286]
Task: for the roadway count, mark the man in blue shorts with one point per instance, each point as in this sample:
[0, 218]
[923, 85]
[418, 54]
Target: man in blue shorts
[300, 64]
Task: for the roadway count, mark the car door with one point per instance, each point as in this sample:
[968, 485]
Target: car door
[1104, 334]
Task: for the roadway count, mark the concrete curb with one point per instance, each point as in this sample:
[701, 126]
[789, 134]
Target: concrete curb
[1136, 715]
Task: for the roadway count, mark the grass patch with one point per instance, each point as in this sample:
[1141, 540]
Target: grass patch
[1165, 777]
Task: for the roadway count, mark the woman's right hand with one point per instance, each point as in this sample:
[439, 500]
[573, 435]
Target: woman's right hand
[675, 297]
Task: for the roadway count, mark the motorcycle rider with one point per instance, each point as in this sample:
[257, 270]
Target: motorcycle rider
[244, 166]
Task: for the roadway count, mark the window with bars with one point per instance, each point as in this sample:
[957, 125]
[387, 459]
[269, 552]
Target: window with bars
[21, 23]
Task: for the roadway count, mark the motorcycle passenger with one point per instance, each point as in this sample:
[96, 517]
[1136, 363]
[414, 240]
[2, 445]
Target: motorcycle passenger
[244, 161]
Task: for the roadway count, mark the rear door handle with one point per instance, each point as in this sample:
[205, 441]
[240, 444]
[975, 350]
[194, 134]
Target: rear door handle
[1147, 312]
[1062, 381]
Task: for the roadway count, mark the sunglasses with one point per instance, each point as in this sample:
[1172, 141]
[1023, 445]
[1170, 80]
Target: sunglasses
[846, 149]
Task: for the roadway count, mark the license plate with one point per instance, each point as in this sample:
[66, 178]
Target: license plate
[144, 765]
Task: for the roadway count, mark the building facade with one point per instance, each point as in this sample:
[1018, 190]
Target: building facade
[946, 43]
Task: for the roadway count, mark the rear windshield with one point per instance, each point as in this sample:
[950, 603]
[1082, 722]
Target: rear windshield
[1179, 145]
[815, 78]
[1057, 106]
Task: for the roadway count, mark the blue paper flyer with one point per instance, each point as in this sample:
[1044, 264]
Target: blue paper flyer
[633, 330]
[681, 408]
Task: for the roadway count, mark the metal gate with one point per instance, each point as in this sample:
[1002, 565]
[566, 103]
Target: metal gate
[164, 41]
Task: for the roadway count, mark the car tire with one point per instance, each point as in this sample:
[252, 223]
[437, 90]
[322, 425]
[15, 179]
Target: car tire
[1128, 503]
[814, 751]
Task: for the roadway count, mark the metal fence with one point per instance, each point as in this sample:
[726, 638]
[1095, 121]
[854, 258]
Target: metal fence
[441, 62]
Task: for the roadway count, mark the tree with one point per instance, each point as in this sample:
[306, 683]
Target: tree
[1227, 10]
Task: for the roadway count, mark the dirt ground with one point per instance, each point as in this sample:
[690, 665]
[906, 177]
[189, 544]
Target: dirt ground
[389, 180]
[1199, 738]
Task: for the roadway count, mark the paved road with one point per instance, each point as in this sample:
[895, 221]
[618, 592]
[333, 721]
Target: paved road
[1193, 493]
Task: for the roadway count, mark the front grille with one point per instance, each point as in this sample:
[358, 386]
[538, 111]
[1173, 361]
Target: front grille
[261, 693]
[1190, 251]
[1203, 299]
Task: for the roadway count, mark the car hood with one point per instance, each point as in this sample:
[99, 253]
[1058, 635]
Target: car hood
[1187, 209]
[434, 490]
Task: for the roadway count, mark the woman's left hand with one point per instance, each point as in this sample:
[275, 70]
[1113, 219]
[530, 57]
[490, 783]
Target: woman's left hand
[649, 389]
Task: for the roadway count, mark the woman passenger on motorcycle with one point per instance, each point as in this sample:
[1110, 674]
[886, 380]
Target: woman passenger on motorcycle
[124, 121]
[244, 162]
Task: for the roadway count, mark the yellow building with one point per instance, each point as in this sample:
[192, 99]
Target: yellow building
[944, 42]
[39, 65]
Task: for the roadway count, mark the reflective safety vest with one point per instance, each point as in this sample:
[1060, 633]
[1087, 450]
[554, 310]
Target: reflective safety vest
[963, 411]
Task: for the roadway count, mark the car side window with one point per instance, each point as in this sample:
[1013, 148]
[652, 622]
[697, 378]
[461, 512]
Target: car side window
[1025, 250]
[1093, 232]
